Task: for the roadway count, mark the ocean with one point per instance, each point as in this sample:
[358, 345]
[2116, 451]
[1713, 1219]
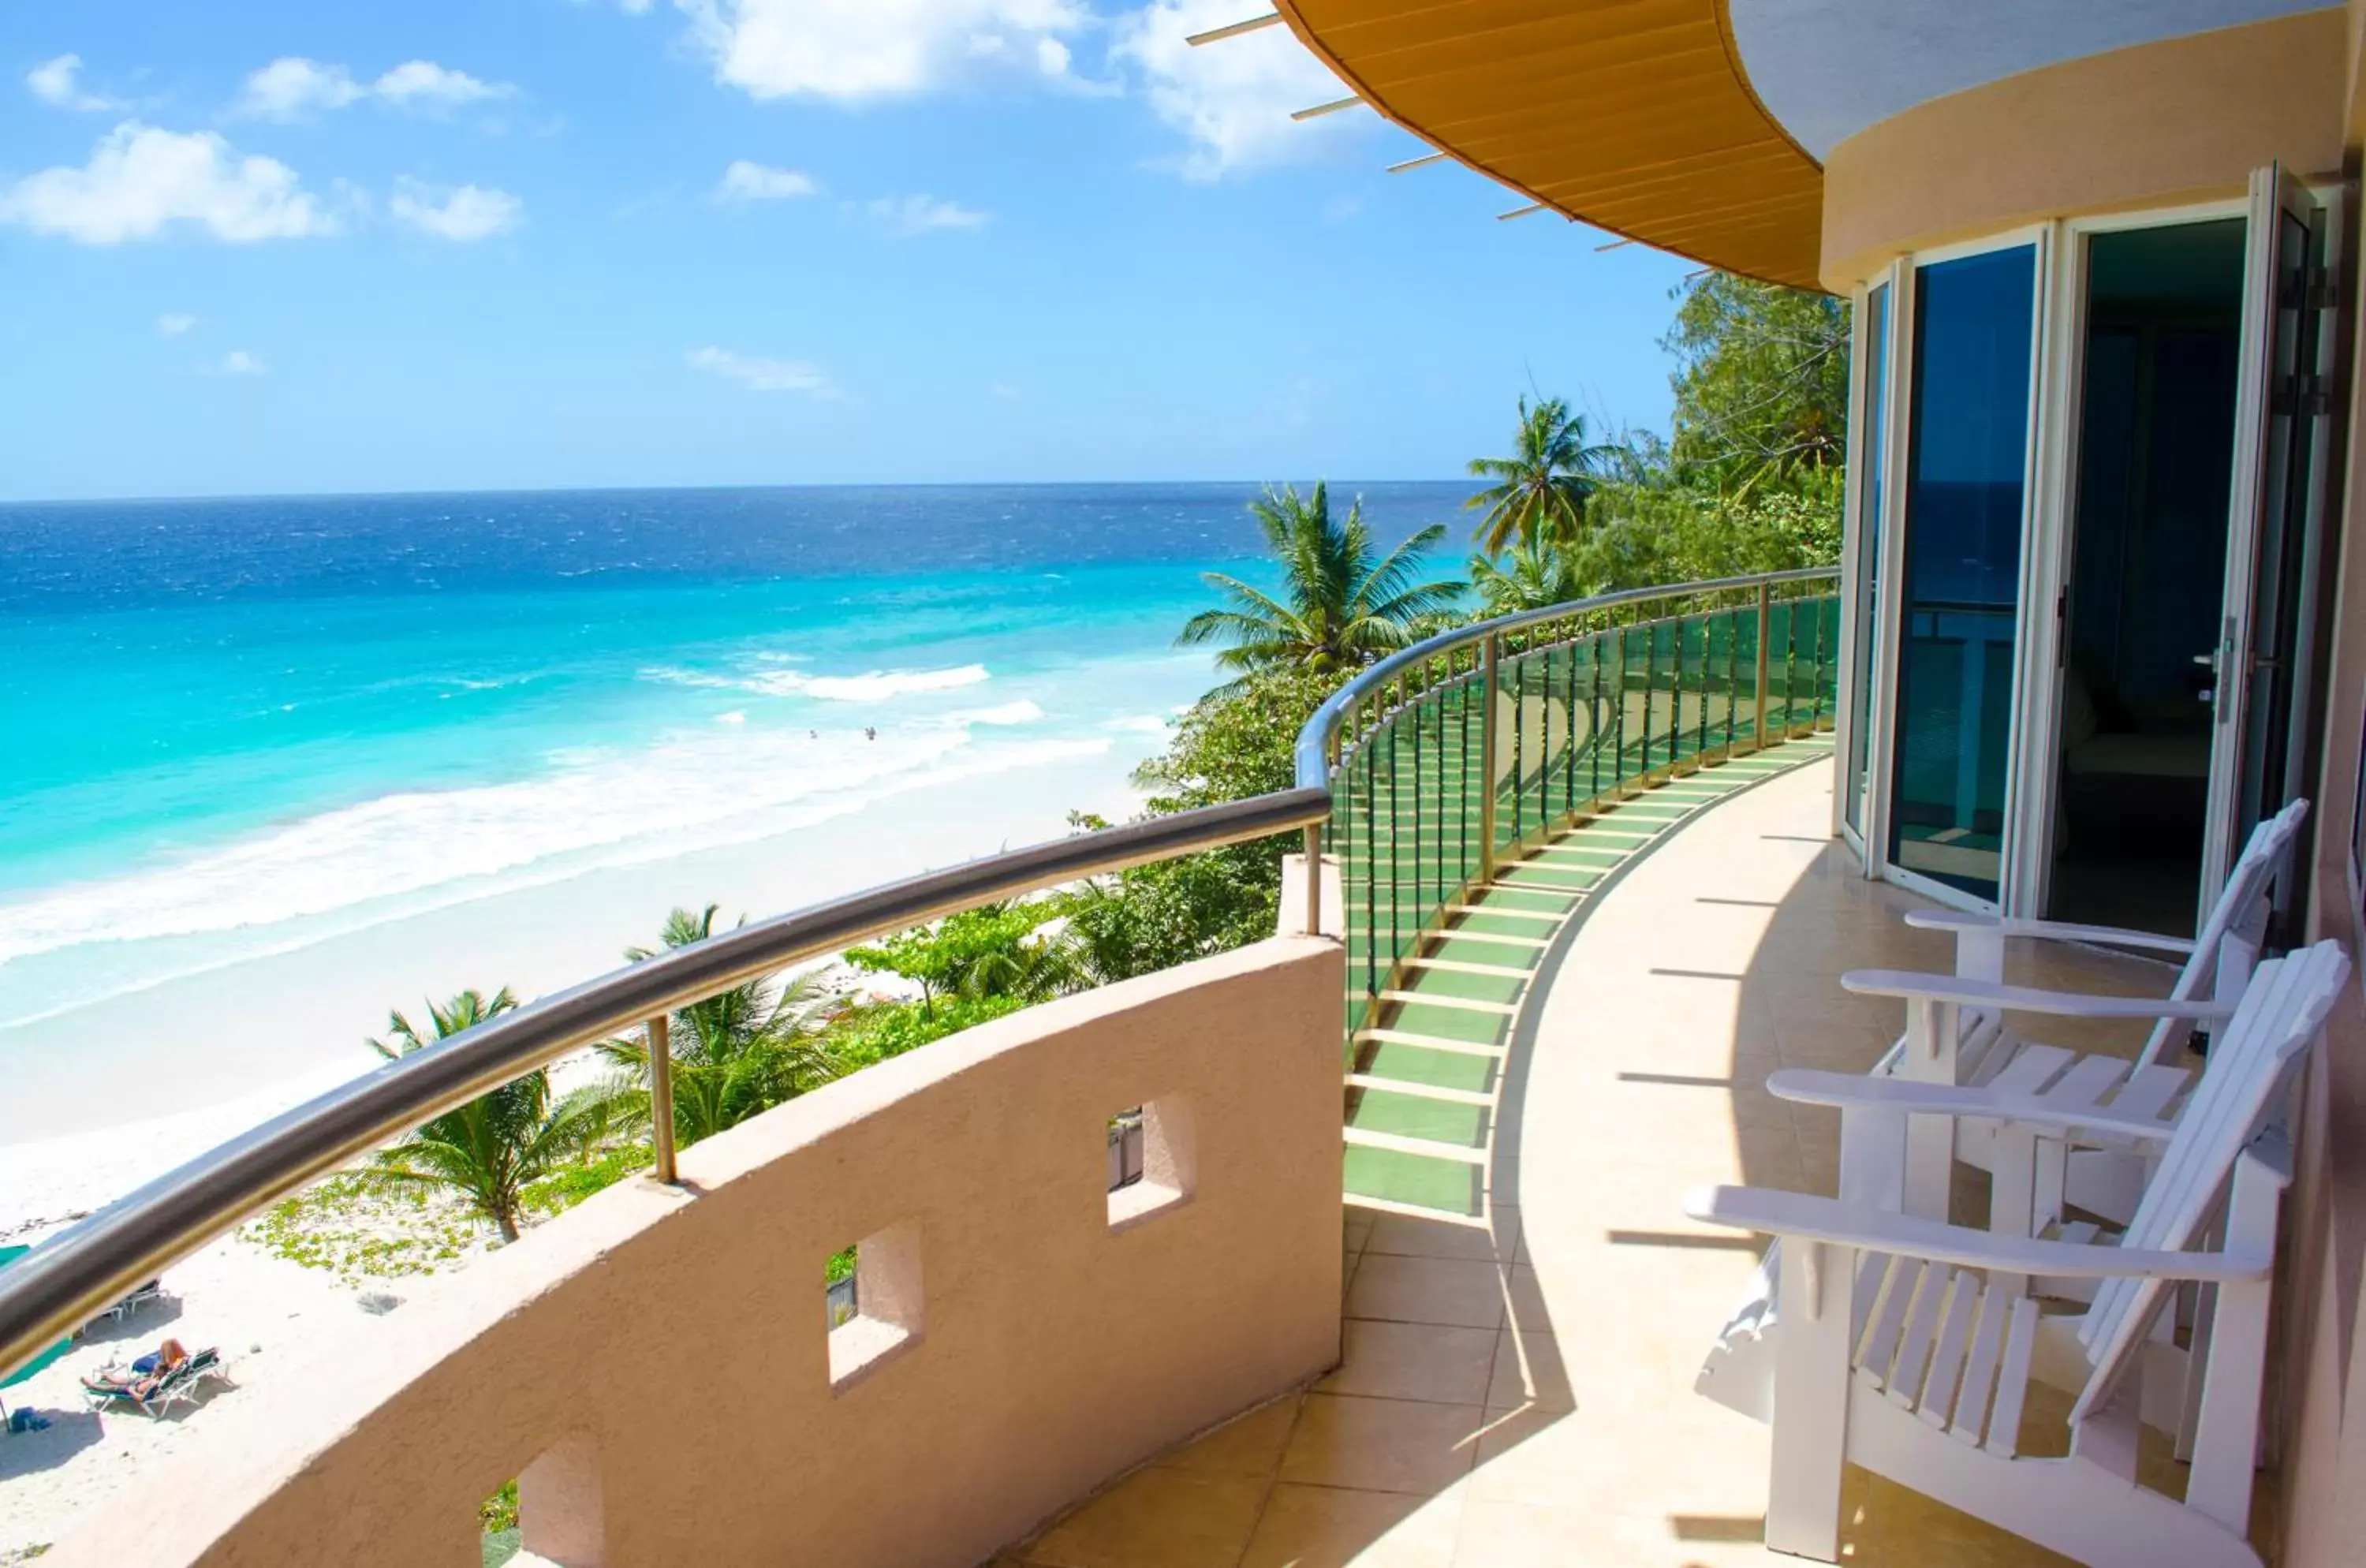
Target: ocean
[240, 732]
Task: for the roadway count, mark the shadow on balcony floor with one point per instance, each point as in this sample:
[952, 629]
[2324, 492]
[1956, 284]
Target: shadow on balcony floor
[1520, 1391]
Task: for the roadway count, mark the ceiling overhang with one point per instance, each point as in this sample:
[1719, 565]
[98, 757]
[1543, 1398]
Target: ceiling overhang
[1635, 117]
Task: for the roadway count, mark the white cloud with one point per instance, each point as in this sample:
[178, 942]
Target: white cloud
[426, 84]
[857, 49]
[464, 214]
[1051, 57]
[910, 215]
[58, 83]
[1233, 99]
[761, 375]
[175, 325]
[141, 180]
[238, 361]
[292, 88]
[746, 181]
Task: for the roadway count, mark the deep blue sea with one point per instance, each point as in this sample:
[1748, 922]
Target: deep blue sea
[233, 725]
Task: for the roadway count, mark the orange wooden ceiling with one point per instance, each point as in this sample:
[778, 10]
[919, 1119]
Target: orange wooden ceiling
[1631, 114]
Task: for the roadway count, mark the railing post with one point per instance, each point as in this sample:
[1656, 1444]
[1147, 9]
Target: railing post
[661, 1097]
[1766, 630]
[1315, 880]
[1488, 682]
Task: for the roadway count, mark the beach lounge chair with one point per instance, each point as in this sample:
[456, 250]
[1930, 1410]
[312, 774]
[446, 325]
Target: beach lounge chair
[153, 1291]
[1957, 1033]
[150, 1384]
[1906, 1346]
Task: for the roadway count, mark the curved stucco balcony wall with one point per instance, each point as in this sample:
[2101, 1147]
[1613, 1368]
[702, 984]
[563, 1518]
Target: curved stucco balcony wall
[2183, 119]
[656, 1367]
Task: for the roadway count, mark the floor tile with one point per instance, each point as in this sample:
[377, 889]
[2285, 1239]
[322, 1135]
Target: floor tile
[1427, 1290]
[1156, 1519]
[1413, 1361]
[1382, 1445]
[1251, 1445]
[1325, 1527]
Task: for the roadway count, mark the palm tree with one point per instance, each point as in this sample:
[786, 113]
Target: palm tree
[490, 1148]
[1344, 606]
[1535, 575]
[737, 1053]
[1541, 490]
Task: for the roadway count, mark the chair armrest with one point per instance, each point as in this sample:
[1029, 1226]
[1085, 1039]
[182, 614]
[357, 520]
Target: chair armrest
[1812, 1218]
[1955, 989]
[2044, 930]
[1850, 1091]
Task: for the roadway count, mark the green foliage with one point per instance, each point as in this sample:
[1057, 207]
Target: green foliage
[1343, 602]
[499, 1511]
[1234, 743]
[735, 1054]
[982, 953]
[1534, 575]
[841, 1266]
[359, 1227]
[1540, 493]
[489, 1149]
[870, 1034]
[602, 1169]
[1761, 384]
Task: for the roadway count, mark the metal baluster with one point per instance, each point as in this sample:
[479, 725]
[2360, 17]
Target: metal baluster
[1701, 742]
[1489, 678]
[1618, 710]
[1765, 623]
[661, 1097]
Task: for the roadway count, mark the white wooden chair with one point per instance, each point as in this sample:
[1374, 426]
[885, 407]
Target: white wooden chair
[1957, 1032]
[1907, 1345]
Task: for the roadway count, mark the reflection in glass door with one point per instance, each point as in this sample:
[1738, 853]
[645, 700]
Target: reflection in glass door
[1965, 486]
[1866, 567]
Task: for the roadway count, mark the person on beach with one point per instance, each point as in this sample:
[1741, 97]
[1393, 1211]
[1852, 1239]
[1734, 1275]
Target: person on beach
[869, 733]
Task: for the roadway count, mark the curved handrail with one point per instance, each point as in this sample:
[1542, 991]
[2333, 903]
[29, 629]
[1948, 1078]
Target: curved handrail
[73, 1277]
[1314, 755]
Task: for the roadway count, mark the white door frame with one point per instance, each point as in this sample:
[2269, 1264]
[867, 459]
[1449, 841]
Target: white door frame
[2051, 542]
[2273, 192]
[1891, 613]
[1858, 652]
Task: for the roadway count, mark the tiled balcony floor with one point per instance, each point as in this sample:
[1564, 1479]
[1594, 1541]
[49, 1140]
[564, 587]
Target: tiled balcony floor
[1522, 1393]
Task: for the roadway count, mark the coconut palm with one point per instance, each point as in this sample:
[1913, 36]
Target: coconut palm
[1541, 490]
[737, 1052]
[1341, 603]
[1536, 574]
[490, 1149]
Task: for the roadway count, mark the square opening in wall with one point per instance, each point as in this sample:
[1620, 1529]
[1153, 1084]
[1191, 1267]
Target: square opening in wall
[1151, 1161]
[872, 1300]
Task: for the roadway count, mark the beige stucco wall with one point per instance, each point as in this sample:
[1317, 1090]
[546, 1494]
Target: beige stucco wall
[663, 1354]
[2184, 119]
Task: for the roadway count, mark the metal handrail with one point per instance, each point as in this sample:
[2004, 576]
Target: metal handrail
[75, 1276]
[1314, 755]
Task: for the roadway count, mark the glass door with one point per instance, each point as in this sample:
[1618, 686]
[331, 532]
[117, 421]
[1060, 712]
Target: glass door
[2266, 634]
[1965, 489]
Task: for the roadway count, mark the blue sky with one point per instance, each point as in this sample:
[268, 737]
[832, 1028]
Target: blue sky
[282, 247]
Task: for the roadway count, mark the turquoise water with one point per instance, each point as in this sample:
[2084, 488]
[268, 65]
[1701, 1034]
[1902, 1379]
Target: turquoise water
[231, 725]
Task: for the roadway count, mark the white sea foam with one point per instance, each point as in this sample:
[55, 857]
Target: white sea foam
[403, 853]
[1021, 712]
[1138, 724]
[875, 685]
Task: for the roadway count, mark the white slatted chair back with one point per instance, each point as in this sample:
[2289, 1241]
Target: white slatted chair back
[2230, 939]
[2245, 1084]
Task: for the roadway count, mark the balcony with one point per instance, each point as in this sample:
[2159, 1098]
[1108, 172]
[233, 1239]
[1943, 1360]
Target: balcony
[1568, 973]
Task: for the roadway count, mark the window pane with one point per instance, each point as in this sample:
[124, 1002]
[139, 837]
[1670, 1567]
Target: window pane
[1873, 419]
[1967, 445]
